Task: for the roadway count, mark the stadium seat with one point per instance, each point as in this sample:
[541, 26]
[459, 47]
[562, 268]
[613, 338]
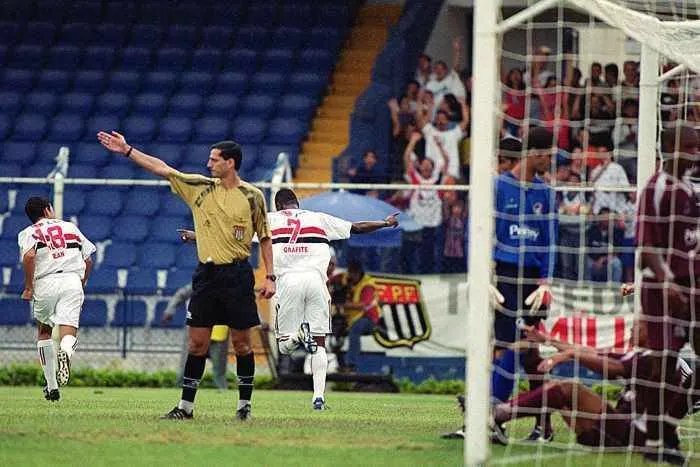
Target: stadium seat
[38, 170]
[164, 228]
[46, 11]
[198, 82]
[23, 194]
[258, 105]
[10, 103]
[159, 81]
[225, 13]
[142, 281]
[287, 37]
[251, 37]
[262, 14]
[29, 127]
[217, 37]
[4, 200]
[82, 171]
[285, 131]
[98, 58]
[270, 152]
[182, 35]
[66, 127]
[332, 15]
[248, 130]
[95, 228]
[208, 60]
[17, 80]
[232, 82]
[39, 33]
[129, 228]
[91, 81]
[175, 130]
[135, 58]
[55, 80]
[241, 60]
[9, 253]
[104, 201]
[171, 154]
[196, 154]
[15, 312]
[151, 104]
[76, 33]
[111, 35]
[13, 225]
[127, 82]
[157, 255]
[171, 59]
[94, 312]
[187, 259]
[48, 150]
[171, 205]
[142, 201]
[306, 83]
[140, 128]
[11, 170]
[112, 103]
[120, 255]
[64, 58]
[73, 201]
[211, 129]
[84, 11]
[94, 154]
[250, 158]
[267, 83]
[297, 105]
[16, 284]
[145, 35]
[41, 103]
[312, 60]
[221, 105]
[177, 321]
[27, 57]
[178, 278]
[118, 171]
[9, 32]
[153, 13]
[188, 13]
[5, 126]
[129, 313]
[277, 60]
[77, 103]
[185, 105]
[297, 15]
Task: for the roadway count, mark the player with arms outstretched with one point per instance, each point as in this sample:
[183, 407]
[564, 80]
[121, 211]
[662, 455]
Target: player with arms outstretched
[56, 260]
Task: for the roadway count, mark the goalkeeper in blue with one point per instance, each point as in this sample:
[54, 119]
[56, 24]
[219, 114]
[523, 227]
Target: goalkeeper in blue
[526, 232]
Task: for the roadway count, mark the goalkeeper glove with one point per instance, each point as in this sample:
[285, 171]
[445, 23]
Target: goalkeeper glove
[541, 296]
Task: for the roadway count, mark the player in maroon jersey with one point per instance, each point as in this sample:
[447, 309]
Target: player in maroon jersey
[668, 235]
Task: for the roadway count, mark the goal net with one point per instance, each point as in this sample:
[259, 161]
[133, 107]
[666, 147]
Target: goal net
[605, 79]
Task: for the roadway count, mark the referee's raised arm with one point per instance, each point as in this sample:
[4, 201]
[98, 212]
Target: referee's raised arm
[116, 142]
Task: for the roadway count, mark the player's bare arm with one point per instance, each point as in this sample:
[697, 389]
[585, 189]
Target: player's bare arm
[269, 287]
[371, 226]
[116, 142]
[88, 270]
[593, 361]
[29, 264]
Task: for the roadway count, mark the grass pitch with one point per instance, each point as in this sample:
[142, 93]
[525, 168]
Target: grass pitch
[93, 426]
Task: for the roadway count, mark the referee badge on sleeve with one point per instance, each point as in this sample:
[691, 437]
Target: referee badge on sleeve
[239, 232]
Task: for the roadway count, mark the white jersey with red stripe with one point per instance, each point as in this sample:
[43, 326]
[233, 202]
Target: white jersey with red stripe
[300, 240]
[60, 247]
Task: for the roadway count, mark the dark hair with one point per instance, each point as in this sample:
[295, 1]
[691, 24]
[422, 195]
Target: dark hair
[35, 208]
[628, 102]
[604, 139]
[612, 68]
[596, 64]
[369, 151]
[442, 63]
[230, 150]
[413, 81]
[425, 56]
[539, 138]
[509, 82]
[444, 112]
[669, 136]
[285, 197]
[510, 148]
[355, 265]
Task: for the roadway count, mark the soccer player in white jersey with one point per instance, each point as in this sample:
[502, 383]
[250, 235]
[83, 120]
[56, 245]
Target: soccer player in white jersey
[56, 260]
[301, 253]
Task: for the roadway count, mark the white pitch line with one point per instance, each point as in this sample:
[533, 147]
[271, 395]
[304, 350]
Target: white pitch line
[529, 457]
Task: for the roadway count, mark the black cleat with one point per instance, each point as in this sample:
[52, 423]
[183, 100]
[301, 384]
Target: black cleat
[52, 395]
[457, 434]
[63, 371]
[665, 456]
[320, 404]
[498, 434]
[243, 413]
[177, 414]
[538, 437]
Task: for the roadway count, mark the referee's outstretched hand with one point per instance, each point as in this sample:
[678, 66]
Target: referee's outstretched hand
[393, 220]
[187, 236]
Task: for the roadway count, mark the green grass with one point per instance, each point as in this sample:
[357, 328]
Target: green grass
[93, 427]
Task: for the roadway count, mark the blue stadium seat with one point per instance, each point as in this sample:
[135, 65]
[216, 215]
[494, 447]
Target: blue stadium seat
[142, 281]
[127, 82]
[16, 283]
[76, 33]
[182, 35]
[11, 170]
[10, 103]
[135, 58]
[171, 154]
[5, 126]
[66, 127]
[285, 131]
[20, 153]
[120, 255]
[3, 54]
[129, 313]
[180, 277]
[142, 201]
[15, 312]
[225, 13]
[104, 201]
[150, 103]
[9, 32]
[297, 14]
[250, 158]
[112, 103]
[85, 11]
[111, 35]
[221, 105]
[93, 154]
[185, 105]
[277, 60]
[270, 152]
[38, 170]
[159, 81]
[39, 33]
[211, 129]
[66, 57]
[287, 37]
[187, 259]
[171, 59]
[311, 60]
[248, 130]
[187, 13]
[241, 60]
[306, 83]
[77, 103]
[27, 57]
[177, 320]
[175, 130]
[164, 228]
[172, 205]
[17, 80]
[145, 35]
[4, 200]
[332, 15]
[198, 82]
[157, 255]
[153, 13]
[30, 127]
[91, 81]
[140, 128]
[251, 37]
[95, 228]
[267, 83]
[117, 171]
[217, 37]
[73, 201]
[94, 312]
[82, 171]
[23, 194]
[48, 150]
[129, 228]
[208, 60]
[41, 103]
[232, 82]
[258, 105]
[9, 253]
[297, 105]
[262, 14]
[98, 58]
[55, 80]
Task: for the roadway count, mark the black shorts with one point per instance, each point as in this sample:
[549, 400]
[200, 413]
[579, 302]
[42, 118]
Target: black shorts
[223, 294]
[617, 433]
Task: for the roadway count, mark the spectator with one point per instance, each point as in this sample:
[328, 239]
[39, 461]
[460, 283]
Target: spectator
[424, 72]
[399, 146]
[513, 102]
[361, 310]
[412, 89]
[455, 226]
[575, 104]
[603, 236]
[626, 137]
[509, 152]
[607, 173]
[367, 172]
[445, 82]
[630, 83]
[401, 114]
[629, 219]
[538, 75]
[440, 137]
[555, 112]
[572, 203]
[612, 75]
[596, 80]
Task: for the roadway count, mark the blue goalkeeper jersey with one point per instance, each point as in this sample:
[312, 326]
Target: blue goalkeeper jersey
[526, 223]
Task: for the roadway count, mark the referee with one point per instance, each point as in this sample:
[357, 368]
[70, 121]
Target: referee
[227, 212]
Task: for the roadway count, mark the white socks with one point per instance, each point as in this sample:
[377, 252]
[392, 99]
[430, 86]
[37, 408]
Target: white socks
[319, 367]
[242, 403]
[187, 406]
[68, 344]
[47, 357]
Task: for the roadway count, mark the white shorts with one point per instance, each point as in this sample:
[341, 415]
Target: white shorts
[302, 297]
[58, 299]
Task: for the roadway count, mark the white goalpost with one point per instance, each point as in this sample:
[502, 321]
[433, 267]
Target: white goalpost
[664, 29]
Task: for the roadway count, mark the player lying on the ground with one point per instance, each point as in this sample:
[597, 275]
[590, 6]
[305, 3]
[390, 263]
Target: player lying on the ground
[301, 253]
[56, 260]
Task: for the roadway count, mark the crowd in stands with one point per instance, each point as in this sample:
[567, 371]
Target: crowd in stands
[593, 120]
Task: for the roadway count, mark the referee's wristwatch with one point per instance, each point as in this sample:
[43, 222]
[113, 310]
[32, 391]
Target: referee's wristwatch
[271, 277]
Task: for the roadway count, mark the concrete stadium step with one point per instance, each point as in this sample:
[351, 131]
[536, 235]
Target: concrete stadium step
[329, 150]
[335, 137]
[353, 89]
[331, 124]
[334, 112]
[339, 101]
[350, 78]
